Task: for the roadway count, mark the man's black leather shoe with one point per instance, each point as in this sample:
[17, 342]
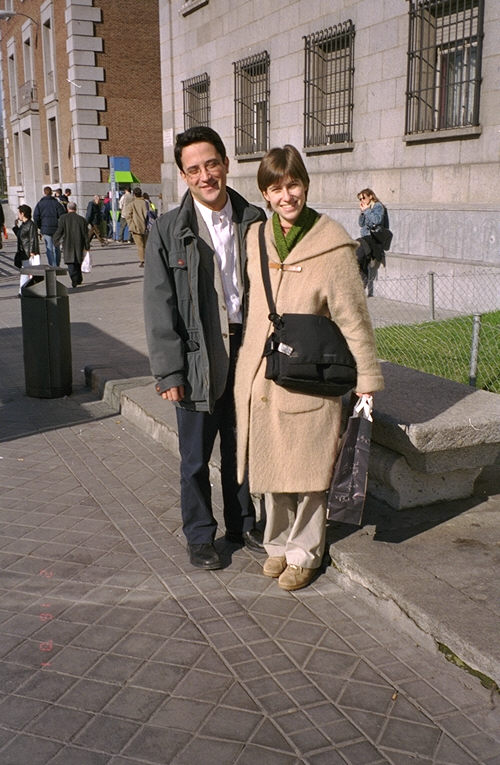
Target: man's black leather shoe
[204, 556]
[251, 539]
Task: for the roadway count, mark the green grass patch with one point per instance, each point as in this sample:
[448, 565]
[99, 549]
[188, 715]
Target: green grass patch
[443, 348]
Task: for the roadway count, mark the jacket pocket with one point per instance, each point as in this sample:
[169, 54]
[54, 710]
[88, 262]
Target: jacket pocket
[195, 376]
[293, 403]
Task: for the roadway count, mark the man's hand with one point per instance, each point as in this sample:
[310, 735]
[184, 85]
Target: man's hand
[174, 394]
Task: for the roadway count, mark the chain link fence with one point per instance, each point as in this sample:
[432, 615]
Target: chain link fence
[447, 325]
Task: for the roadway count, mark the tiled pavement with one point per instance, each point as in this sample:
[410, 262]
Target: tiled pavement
[114, 650]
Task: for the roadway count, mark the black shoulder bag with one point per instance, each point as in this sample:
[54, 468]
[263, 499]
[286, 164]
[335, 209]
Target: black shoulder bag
[305, 352]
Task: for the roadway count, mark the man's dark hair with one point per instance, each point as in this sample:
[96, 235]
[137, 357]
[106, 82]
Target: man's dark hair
[25, 210]
[197, 134]
[58, 191]
[47, 191]
[67, 192]
[137, 192]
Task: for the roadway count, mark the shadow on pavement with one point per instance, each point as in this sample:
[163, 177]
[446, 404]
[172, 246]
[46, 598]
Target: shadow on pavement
[399, 525]
[21, 415]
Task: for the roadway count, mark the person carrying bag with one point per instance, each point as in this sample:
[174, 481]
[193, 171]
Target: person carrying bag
[288, 436]
[376, 237]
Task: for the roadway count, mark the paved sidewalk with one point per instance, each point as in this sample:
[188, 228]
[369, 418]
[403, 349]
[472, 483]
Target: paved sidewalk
[114, 650]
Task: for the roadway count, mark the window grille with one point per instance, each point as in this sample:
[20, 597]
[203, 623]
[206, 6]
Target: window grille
[251, 105]
[444, 64]
[196, 92]
[329, 86]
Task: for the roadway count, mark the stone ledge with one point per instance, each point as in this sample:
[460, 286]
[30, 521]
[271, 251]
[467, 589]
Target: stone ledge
[431, 437]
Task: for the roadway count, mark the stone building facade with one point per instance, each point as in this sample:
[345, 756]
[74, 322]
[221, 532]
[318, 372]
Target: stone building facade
[402, 96]
[80, 84]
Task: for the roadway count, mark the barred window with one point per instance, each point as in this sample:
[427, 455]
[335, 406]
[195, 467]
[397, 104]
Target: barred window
[444, 64]
[196, 93]
[329, 86]
[251, 105]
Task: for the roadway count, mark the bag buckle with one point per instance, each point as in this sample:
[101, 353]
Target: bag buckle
[284, 348]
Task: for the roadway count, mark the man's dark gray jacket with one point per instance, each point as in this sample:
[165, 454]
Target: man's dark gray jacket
[185, 313]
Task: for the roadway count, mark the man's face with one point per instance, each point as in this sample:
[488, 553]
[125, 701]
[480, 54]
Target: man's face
[205, 172]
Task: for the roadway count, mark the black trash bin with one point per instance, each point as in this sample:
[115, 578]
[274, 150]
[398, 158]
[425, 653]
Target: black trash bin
[46, 334]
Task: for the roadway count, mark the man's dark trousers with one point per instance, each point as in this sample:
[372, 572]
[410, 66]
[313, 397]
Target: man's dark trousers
[197, 433]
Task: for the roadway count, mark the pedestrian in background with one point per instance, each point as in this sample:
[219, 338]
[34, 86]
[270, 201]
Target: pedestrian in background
[106, 215]
[46, 217]
[288, 441]
[125, 200]
[94, 219]
[62, 198]
[137, 221]
[152, 211]
[370, 253]
[74, 233]
[28, 247]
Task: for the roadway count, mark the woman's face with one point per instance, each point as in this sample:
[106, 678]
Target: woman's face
[365, 200]
[286, 198]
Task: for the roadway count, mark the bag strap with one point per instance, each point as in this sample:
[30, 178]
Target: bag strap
[273, 316]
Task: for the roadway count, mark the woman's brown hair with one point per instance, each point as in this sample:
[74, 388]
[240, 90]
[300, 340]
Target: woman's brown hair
[280, 163]
[368, 193]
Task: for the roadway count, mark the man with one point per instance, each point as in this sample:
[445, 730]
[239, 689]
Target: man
[73, 230]
[194, 303]
[125, 200]
[46, 217]
[137, 220]
[94, 218]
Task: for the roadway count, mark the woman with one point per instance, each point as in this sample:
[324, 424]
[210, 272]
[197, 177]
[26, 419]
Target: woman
[370, 253]
[28, 247]
[287, 440]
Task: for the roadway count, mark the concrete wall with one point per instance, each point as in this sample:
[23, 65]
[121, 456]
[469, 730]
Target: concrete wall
[442, 195]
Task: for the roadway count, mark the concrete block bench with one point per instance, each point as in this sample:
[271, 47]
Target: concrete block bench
[431, 438]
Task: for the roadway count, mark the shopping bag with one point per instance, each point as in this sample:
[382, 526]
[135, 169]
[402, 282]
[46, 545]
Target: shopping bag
[87, 263]
[347, 494]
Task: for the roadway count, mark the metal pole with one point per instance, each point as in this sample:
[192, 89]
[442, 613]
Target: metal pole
[113, 195]
[431, 295]
[474, 351]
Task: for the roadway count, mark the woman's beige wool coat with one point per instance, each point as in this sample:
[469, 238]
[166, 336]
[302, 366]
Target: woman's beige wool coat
[289, 440]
